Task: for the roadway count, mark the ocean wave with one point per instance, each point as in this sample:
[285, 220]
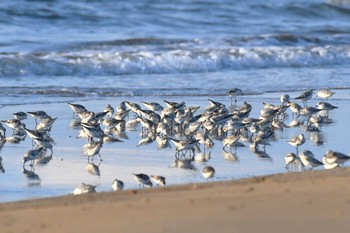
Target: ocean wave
[170, 61]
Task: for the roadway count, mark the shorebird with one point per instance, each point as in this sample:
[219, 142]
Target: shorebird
[39, 115]
[295, 108]
[305, 96]
[325, 106]
[33, 154]
[284, 99]
[153, 106]
[333, 157]
[143, 180]
[230, 141]
[308, 159]
[291, 160]
[117, 185]
[92, 131]
[45, 124]
[234, 92]
[159, 180]
[77, 109]
[208, 172]
[325, 93]
[84, 188]
[109, 109]
[297, 141]
[92, 149]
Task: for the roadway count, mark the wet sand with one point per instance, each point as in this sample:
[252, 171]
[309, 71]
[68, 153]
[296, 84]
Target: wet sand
[316, 201]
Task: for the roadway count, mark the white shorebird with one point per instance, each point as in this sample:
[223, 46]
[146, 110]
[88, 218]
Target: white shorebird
[325, 93]
[117, 185]
[289, 159]
[143, 180]
[39, 115]
[208, 172]
[153, 106]
[295, 108]
[78, 109]
[333, 157]
[92, 149]
[297, 141]
[284, 99]
[308, 159]
[109, 109]
[84, 188]
[159, 180]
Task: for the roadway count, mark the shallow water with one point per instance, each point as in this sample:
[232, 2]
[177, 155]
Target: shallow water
[67, 168]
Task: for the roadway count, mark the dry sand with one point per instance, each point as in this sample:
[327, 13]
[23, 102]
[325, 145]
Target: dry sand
[316, 201]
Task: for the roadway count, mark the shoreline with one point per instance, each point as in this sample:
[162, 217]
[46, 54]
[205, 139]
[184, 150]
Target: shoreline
[315, 200]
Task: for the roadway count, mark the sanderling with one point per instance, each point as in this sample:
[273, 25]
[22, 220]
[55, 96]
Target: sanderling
[39, 115]
[109, 109]
[234, 92]
[305, 96]
[92, 149]
[333, 157]
[20, 115]
[297, 141]
[33, 154]
[308, 159]
[284, 99]
[84, 188]
[291, 159]
[159, 180]
[77, 108]
[295, 108]
[208, 172]
[230, 141]
[117, 185]
[325, 93]
[12, 123]
[45, 124]
[93, 131]
[153, 106]
[325, 106]
[143, 180]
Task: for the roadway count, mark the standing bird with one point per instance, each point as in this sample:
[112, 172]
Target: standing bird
[33, 154]
[305, 96]
[325, 93]
[143, 180]
[208, 172]
[297, 141]
[234, 92]
[308, 159]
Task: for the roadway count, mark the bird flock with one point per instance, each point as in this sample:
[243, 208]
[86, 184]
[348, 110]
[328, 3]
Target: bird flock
[190, 132]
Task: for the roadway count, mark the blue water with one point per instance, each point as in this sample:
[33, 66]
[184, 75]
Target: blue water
[54, 50]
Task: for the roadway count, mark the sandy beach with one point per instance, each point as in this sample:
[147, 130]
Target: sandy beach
[316, 201]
